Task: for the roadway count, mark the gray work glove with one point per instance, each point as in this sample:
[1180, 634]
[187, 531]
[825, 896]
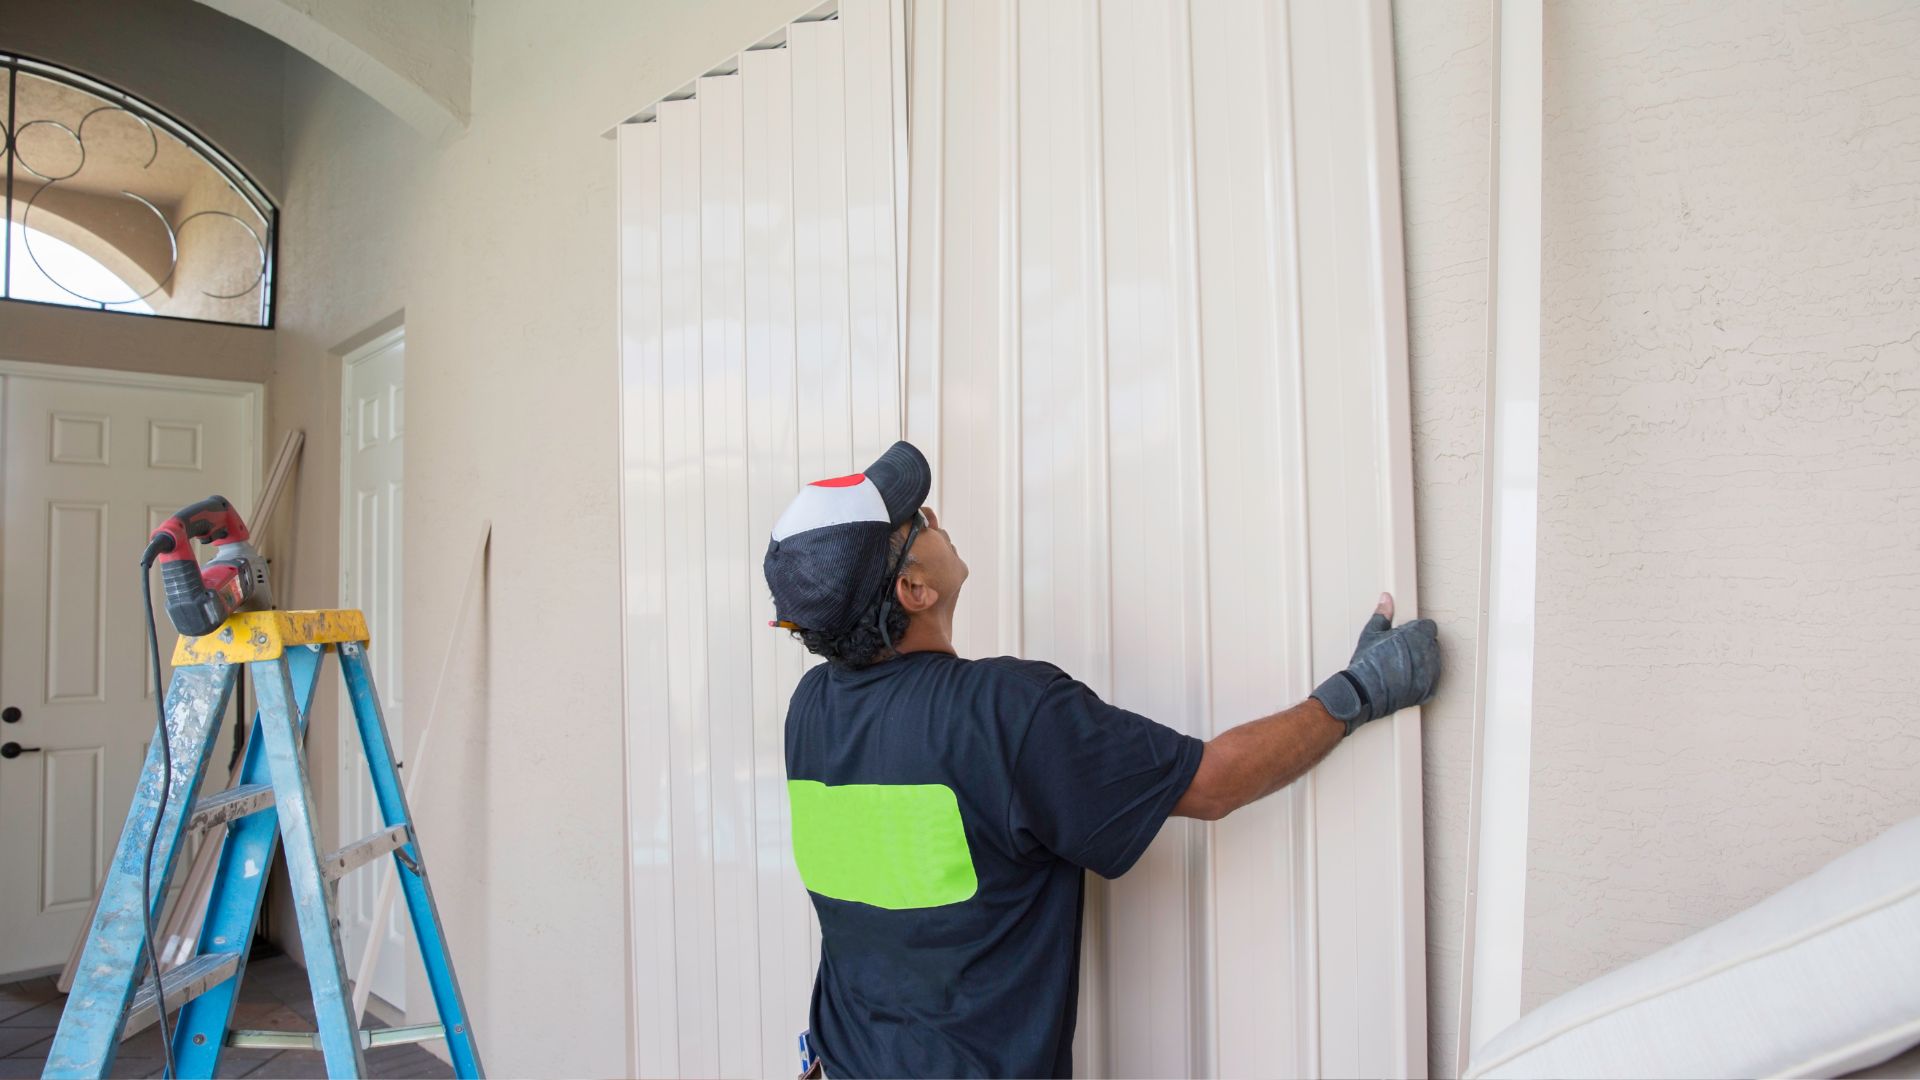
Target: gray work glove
[1393, 668]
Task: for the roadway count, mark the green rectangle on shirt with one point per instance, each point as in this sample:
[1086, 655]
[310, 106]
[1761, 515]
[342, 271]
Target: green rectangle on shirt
[894, 846]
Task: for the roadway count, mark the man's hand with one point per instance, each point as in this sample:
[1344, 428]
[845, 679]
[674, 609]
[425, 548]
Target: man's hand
[1392, 669]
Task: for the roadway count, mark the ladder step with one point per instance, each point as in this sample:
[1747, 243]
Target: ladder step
[230, 805]
[310, 1040]
[184, 983]
[339, 863]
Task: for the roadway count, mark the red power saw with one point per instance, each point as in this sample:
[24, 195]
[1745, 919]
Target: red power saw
[199, 598]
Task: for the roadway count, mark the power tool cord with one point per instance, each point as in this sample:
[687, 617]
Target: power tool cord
[153, 838]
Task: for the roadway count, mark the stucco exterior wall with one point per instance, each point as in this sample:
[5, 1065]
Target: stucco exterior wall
[1729, 591]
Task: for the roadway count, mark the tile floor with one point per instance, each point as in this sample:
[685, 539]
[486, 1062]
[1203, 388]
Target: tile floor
[273, 996]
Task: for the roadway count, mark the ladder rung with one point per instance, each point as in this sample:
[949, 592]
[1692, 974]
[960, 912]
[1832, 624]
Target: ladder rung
[230, 805]
[310, 1040]
[339, 863]
[184, 983]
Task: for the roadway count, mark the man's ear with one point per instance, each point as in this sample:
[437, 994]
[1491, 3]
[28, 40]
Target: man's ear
[912, 592]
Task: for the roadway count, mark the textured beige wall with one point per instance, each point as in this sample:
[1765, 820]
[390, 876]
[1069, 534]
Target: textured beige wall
[427, 41]
[1729, 588]
[1444, 57]
[48, 334]
[499, 248]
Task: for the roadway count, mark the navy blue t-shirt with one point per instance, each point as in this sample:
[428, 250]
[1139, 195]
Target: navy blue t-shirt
[942, 812]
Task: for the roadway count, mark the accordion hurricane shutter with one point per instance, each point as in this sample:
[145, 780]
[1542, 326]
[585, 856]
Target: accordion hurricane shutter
[894, 846]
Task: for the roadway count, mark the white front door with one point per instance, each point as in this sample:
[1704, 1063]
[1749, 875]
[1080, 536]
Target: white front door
[373, 422]
[91, 463]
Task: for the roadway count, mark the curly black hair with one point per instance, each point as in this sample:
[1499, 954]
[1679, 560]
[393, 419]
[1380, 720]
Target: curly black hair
[863, 646]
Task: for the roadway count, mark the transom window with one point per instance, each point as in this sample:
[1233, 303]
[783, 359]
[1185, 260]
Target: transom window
[112, 204]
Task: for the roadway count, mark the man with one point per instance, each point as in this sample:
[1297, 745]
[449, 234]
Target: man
[943, 809]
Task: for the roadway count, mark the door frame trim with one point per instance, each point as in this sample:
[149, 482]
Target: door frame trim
[381, 341]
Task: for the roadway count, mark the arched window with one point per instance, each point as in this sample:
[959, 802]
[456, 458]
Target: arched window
[112, 204]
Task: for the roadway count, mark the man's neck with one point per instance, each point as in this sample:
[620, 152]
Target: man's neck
[931, 632]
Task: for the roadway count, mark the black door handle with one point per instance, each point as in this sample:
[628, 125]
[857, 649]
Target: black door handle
[13, 750]
[10, 714]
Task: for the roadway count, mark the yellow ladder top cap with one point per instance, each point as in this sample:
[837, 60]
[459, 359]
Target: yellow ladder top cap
[264, 635]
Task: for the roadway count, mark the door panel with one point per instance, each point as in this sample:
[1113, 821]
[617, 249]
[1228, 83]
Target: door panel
[90, 465]
[372, 430]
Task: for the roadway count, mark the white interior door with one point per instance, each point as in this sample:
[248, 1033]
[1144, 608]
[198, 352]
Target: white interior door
[371, 437]
[92, 461]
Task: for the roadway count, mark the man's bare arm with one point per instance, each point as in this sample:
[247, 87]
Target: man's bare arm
[1392, 669]
[1259, 758]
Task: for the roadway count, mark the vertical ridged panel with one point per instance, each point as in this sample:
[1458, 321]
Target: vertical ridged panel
[730, 717]
[786, 934]
[820, 249]
[654, 1050]
[760, 348]
[1199, 318]
[1258, 649]
[925, 316]
[688, 589]
[872, 279]
[967, 460]
[1061, 346]
[1359, 512]
[1158, 580]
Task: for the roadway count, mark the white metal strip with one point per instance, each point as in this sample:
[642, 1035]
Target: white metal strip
[1158, 583]
[872, 297]
[1062, 464]
[728, 568]
[820, 208]
[653, 1045]
[1258, 659]
[1503, 721]
[772, 477]
[925, 317]
[690, 707]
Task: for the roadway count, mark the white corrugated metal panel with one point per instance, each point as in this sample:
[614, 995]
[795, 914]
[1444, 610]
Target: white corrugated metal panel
[1156, 349]
[1157, 354]
[760, 324]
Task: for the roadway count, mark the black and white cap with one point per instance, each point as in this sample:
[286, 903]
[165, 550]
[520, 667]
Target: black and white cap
[827, 559]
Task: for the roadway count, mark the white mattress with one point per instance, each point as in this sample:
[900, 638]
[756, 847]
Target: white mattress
[1819, 979]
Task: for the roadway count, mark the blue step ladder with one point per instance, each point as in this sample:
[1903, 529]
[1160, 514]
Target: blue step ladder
[272, 803]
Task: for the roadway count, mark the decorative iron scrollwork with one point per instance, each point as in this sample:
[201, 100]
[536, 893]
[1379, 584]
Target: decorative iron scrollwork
[47, 176]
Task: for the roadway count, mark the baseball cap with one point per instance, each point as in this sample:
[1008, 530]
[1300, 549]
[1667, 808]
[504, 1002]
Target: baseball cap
[827, 558]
